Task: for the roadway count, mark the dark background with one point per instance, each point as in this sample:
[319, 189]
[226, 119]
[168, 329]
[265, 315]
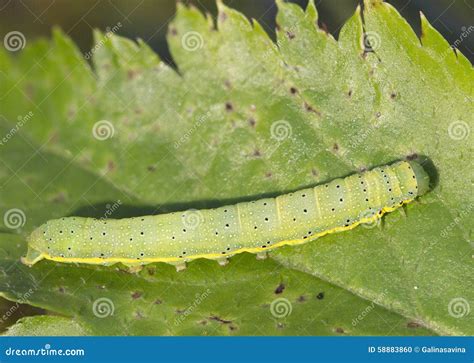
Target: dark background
[148, 19]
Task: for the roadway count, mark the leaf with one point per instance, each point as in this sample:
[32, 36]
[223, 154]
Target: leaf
[203, 138]
[46, 326]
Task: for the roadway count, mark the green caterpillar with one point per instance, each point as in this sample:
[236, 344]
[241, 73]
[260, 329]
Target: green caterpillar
[219, 233]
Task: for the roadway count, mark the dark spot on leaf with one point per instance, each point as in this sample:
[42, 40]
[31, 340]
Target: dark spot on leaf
[111, 165]
[132, 74]
[349, 93]
[320, 296]
[314, 172]
[280, 288]
[290, 35]
[229, 107]
[257, 153]
[252, 121]
[310, 108]
[378, 114]
[268, 174]
[173, 31]
[219, 319]
[136, 295]
[393, 95]
[158, 302]
[335, 147]
[62, 290]
[180, 311]
[301, 298]
[151, 168]
[59, 198]
[138, 315]
[413, 324]
[280, 325]
[412, 156]
[222, 16]
[293, 90]
[232, 327]
[339, 330]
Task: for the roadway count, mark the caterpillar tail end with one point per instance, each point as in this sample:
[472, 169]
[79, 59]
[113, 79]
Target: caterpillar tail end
[32, 256]
[422, 177]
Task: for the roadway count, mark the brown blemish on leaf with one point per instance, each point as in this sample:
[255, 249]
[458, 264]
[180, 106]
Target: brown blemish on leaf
[293, 90]
[280, 325]
[59, 198]
[111, 166]
[393, 95]
[349, 93]
[158, 302]
[378, 114]
[138, 315]
[320, 296]
[151, 271]
[180, 311]
[290, 35]
[61, 289]
[310, 108]
[268, 174]
[335, 147]
[232, 327]
[173, 31]
[280, 288]
[413, 324]
[222, 16]
[301, 298]
[314, 172]
[136, 295]
[151, 168]
[229, 107]
[219, 319]
[257, 153]
[132, 74]
[413, 156]
[252, 122]
[339, 330]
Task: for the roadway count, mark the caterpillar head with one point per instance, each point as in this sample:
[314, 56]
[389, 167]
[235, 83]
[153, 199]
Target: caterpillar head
[422, 177]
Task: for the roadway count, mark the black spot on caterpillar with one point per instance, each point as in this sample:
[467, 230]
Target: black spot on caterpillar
[219, 233]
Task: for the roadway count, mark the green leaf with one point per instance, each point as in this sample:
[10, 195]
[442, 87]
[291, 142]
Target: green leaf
[46, 326]
[203, 138]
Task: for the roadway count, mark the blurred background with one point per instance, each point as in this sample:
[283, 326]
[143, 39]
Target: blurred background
[148, 19]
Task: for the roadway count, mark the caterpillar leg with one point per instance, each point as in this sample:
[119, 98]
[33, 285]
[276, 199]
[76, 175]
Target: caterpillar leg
[180, 266]
[223, 261]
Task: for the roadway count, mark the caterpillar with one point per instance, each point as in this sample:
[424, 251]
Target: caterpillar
[257, 226]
